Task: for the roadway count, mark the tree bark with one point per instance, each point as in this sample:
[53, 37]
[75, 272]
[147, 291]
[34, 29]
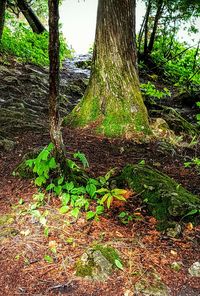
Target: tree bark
[31, 17]
[113, 103]
[55, 126]
[2, 16]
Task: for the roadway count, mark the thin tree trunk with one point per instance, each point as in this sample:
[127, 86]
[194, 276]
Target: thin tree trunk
[55, 126]
[31, 17]
[196, 56]
[113, 104]
[2, 16]
[155, 25]
[140, 35]
[134, 35]
[146, 27]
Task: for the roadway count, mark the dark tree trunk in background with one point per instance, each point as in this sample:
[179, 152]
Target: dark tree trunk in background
[2, 16]
[55, 126]
[31, 17]
[113, 104]
[146, 27]
[155, 25]
[134, 35]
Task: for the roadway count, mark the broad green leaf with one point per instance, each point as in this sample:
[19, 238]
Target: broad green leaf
[60, 180]
[119, 191]
[78, 190]
[30, 162]
[65, 198]
[91, 189]
[90, 215]
[109, 201]
[46, 231]
[104, 198]
[122, 215]
[43, 155]
[75, 212]
[118, 264]
[192, 212]
[58, 189]
[64, 209]
[99, 210]
[68, 186]
[50, 147]
[71, 164]
[198, 116]
[119, 197]
[102, 190]
[40, 180]
[50, 186]
[82, 158]
[52, 163]
[48, 258]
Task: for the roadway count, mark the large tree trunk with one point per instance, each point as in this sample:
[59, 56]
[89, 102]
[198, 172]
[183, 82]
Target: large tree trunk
[30, 16]
[113, 103]
[55, 128]
[2, 16]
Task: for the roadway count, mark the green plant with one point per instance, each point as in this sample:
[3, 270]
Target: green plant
[149, 90]
[94, 215]
[125, 217]
[194, 162]
[19, 40]
[198, 115]
[178, 61]
[110, 194]
[42, 165]
[75, 194]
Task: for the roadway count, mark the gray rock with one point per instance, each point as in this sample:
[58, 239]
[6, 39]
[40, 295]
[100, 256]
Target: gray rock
[7, 145]
[11, 79]
[194, 269]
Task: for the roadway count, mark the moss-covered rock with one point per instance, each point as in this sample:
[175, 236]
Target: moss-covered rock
[157, 288]
[165, 198]
[97, 262]
[6, 220]
[6, 229]
[176, 121]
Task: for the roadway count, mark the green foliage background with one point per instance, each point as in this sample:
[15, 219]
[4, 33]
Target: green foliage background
[19, 40]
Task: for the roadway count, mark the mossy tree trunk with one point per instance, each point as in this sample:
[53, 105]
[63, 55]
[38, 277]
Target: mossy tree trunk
[113, 103]
[2, 16]
[55, 127]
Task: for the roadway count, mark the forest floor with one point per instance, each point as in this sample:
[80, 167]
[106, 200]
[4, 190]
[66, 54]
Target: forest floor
[147, 254]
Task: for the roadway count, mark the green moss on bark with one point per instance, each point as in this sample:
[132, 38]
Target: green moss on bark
[111, 115]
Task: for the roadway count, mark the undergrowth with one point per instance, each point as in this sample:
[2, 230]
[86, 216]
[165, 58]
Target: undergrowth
[76, 190]
[18, 40]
